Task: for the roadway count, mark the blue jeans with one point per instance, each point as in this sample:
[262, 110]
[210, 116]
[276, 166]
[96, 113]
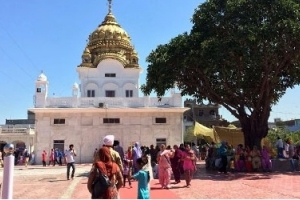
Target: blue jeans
[279, 152]
[293, 164]
[69, 165]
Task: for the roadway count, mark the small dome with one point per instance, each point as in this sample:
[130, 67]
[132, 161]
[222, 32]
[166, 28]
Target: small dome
[42, 77]
[75, 86]
[86, 51]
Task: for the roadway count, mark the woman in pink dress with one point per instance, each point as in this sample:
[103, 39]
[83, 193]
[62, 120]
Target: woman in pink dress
[189, 165]
[164, 167]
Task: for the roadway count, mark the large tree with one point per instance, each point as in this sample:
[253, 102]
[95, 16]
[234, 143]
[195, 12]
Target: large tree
[241, 54]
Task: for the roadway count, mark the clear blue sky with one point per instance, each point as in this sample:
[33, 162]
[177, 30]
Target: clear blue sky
[50, 35]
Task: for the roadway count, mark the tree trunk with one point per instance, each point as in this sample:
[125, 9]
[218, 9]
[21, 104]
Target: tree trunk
[254, 131]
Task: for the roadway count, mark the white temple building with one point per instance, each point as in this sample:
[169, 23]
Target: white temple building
[106, 101]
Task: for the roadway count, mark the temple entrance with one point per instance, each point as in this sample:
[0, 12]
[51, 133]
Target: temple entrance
[2, 144]
[19, 145]
[160, 141]
[19, 148]
[59, 144]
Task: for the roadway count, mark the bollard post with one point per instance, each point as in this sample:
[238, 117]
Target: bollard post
[8, 172]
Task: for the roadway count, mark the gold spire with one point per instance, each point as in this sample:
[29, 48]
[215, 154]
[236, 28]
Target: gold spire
[109, 41]
[109, 6]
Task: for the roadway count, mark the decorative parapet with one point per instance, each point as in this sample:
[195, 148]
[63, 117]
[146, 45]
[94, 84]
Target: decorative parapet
[61, 102]
[16, 131]
[113, 102]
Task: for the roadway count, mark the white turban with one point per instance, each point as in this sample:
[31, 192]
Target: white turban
[109, 140]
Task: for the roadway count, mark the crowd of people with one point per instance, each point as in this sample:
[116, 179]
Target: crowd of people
[24, 157]
[245, 159]
[21, 156]
[238, 160]
[55, 156]
[142, 164]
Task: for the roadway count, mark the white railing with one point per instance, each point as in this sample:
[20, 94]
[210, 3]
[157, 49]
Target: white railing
[61, 102]
[112, 102]
[26, 126]
[164, 101]
[14, 130]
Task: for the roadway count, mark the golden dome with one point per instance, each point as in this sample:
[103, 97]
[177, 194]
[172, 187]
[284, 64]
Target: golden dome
[109, 40]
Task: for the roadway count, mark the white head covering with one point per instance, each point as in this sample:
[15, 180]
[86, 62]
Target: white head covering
[109, 140]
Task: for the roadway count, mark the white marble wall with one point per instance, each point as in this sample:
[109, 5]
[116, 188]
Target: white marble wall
[86, 129]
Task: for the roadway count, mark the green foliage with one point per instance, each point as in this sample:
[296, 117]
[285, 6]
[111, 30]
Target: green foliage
[189, 134]
[241, 54]
[284, 134]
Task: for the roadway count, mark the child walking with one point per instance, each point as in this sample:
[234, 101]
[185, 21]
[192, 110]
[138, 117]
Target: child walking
[143, 178]
[126, 174]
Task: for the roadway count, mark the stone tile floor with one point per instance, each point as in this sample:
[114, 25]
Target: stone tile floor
[37, 182]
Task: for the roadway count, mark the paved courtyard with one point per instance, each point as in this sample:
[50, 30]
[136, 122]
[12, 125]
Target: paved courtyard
[37, 182]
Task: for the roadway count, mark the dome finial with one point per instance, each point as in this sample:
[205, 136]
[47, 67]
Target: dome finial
[109, 6]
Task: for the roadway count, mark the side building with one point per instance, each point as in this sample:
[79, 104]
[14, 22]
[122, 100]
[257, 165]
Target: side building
[19, 132]
[205, 114]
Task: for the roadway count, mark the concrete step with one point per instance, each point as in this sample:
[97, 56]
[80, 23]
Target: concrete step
[283, 165]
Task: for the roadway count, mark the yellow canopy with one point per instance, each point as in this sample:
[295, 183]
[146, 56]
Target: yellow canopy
[231, 135]
[190, 137]
[207, 133]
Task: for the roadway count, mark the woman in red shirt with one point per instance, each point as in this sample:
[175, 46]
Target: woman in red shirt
[44, 156]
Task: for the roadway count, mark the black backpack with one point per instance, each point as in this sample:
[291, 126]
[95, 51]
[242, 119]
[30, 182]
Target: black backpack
[26, 154]
[100, 185]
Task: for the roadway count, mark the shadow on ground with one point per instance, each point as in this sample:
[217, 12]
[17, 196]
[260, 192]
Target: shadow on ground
[84, 174]
[214, 175]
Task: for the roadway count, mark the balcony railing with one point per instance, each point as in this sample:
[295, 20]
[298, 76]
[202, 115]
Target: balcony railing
[110, 102]
[113, 102]
[13, 130]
